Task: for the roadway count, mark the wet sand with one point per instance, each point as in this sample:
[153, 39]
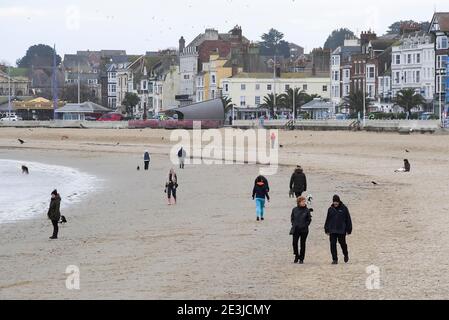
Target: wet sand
[129, 244]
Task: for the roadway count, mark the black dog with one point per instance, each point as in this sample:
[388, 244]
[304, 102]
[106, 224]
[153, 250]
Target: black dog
[25, 170]
[63, 220]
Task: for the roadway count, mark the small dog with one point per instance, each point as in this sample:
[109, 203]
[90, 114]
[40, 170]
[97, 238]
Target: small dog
[309, 199]
[25, 170]
[63, 220]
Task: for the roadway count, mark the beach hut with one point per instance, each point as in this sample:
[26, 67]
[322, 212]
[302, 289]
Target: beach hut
[318, 109]
[79, 112]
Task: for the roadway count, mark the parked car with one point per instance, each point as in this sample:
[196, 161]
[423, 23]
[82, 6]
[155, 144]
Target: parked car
[427, 116]
[89, 118]
[11, 118]
[111, 117]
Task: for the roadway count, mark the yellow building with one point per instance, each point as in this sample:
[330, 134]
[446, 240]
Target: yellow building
[208, 80]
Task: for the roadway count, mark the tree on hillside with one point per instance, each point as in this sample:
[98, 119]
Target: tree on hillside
[69, 93]
[395, 28]
[39, 55]
[408, 99]
[131, 100]
[273, 43]
[337, 38]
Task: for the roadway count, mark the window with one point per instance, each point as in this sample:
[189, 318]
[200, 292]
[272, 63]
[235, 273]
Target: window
[257, 86]
[112, 88]
[405, 76]
[257, 100]
[226, 87]
[243, 101]
[442, 43]
[213, 94]
[418, 58]
[304, 87]
[409, 59]
[398, 78]
[346, 73]
[398, 59]
[371, 72]
[418, 76]
[213, 79]
[269, 87]
[186, 77]
[243, 87]
[324, 88]
[441, 62]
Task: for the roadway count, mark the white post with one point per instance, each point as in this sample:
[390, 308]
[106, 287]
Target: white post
[9, 90]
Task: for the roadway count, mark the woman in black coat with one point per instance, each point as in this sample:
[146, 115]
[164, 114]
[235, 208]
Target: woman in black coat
[301, 219]
[54, 213]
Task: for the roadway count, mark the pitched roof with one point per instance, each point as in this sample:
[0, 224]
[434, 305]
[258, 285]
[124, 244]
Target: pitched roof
[442, 18]
[86, 107]
[317, 103]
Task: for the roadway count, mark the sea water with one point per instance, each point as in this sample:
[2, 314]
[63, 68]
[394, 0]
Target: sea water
[25, 196]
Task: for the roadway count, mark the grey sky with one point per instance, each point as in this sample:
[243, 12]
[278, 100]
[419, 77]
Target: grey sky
[138, 26]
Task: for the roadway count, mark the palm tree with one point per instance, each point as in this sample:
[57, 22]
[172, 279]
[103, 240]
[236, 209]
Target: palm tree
[300, 98]
[408, 99]
[271, 101]
[355, 101]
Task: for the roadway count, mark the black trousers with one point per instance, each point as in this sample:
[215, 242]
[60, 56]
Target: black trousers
[303, 237]
[298, 193]
[55, 228]
[341, 238]
[171, 191]
[147, 163]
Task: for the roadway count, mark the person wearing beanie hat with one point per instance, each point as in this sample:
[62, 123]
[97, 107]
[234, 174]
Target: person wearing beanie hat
[54, 213]
[338, 225]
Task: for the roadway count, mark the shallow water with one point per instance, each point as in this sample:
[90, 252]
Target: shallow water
[25, 197]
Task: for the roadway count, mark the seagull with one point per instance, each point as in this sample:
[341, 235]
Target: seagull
[374, 183]
[21, 141]
[281, 146]
[407, 151]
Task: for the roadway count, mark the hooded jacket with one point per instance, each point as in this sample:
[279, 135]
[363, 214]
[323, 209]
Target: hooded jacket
[301, 219]
[260, 191]
[338, 220]
[54, 212]
[298, 181]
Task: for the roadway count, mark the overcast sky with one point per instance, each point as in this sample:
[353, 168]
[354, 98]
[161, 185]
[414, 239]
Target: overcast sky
[138, 26]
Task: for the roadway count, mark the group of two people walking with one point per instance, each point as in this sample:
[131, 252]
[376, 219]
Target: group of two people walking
[338, 221]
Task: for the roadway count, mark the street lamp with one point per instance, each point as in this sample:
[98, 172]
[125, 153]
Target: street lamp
[9, 90]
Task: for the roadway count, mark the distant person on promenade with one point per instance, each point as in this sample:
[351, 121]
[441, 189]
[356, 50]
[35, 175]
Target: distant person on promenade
[298, 182]
[338, 225]
[54, 213]
[273, 140]
[182, 157]
[260, 193]
[171, 186]
[146, 160]
[301, 219]
[406, 167]
[230, 120]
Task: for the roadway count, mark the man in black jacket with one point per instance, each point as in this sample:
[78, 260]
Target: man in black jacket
[298, 182]
[338, 225]
[301, 219]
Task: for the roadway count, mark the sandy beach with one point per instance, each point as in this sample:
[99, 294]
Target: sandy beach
[129, 244]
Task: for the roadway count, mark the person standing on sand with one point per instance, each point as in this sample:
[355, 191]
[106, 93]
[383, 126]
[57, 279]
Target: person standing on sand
[54, 213]
[146, 159]
[182, 157]
[171, 186]
[260, 192]
[301, 219]
[273, 140]
[338, 225]
[298, 182]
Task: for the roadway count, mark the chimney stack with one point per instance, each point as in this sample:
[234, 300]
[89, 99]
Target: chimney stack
[182, 45]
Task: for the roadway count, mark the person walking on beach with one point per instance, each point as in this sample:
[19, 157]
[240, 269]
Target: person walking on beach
[146, 160]
[54, 213]
[301, 219]
[182, 157]
[298, 182]
[171, 186]
[260, 193]
[273, 140]
[338, 225]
